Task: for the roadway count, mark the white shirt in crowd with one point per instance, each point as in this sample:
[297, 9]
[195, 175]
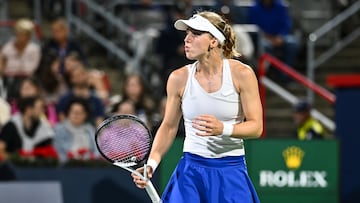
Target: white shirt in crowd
[21, 63]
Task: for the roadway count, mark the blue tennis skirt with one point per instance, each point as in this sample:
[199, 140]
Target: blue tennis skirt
[205, 180]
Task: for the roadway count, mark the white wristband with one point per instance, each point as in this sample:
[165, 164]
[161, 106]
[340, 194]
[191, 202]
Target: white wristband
[228, 129]
[153, 164]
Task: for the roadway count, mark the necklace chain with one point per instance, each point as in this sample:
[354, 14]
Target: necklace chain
[208, 81]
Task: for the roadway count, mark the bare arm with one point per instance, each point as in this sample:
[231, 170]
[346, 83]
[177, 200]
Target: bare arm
[169, 126]
[247, 84]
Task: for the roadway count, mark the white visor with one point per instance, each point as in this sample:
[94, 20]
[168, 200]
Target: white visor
[197, 22]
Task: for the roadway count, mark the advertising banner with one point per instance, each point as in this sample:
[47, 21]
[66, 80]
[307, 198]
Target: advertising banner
[294, 171]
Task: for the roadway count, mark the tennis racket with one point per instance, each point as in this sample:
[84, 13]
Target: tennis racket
[125, 141]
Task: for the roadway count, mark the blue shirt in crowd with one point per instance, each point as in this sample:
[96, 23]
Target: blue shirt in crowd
[273, 20]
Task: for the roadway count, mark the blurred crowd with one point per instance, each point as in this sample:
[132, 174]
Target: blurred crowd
[51, 99]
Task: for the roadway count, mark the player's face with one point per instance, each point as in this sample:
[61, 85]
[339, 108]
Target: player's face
[196, 43]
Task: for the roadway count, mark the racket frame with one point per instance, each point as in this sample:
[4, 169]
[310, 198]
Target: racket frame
[150, 189]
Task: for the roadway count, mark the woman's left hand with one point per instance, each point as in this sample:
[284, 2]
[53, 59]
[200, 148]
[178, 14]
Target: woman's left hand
[207, 125]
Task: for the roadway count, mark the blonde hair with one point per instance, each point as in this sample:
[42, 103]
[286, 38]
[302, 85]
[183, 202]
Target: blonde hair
[228, 46]
[24, 26]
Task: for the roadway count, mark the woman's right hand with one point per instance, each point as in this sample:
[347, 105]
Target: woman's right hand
[139, 182]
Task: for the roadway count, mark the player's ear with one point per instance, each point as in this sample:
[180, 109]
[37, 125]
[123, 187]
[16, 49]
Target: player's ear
[214, 43]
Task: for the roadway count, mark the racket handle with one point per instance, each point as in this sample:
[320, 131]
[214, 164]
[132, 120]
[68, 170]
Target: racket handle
[150, 189]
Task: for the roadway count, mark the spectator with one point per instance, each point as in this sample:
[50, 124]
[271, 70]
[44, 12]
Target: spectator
[4, 80]
[273, 19]
[74, 135]
[5, 112]
[26, 132]
[21, 55]
[52, 82]
[308, 128]
[62, 44]
[6, 171]
[80, 87]
[71, 62]
[28, 87]
[3, 154]
[160, 117]
[5, 109]
[124, 107]
[100, 83]
[134, 90]
[95, 78]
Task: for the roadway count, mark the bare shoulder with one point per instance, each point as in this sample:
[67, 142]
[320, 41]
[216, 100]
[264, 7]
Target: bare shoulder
[177, 79]
[179, 75]
[243, 75]
[239, 69]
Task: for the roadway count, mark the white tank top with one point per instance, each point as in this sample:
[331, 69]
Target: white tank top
[224, 104]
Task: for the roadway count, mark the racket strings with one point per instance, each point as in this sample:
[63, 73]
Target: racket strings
[124, 141]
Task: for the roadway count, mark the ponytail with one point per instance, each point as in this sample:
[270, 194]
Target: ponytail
[229, 44]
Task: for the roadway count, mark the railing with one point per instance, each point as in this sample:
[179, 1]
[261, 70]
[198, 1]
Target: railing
[80, 24]
[138, 39]
[264, 60]
[312, 62]
[114, 3]
[36, 10]
[194, 2]
[3, 10]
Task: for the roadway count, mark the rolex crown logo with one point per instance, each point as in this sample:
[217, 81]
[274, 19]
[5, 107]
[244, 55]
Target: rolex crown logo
[293, 157]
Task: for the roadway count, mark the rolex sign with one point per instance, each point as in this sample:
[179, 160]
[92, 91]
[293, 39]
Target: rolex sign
[294, 171]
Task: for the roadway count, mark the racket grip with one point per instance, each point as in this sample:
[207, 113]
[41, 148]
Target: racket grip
[150, 189]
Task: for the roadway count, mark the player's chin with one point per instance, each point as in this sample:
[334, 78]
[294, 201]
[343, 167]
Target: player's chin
[190, 56]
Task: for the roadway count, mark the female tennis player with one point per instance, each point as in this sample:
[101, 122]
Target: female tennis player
[219, 100]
